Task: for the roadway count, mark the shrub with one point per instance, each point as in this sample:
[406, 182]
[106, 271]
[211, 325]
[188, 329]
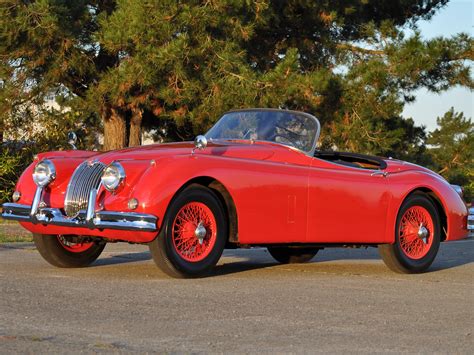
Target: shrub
[14, 158]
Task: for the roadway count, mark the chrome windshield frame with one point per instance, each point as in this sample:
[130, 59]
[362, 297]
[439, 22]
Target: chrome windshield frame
[316, 137]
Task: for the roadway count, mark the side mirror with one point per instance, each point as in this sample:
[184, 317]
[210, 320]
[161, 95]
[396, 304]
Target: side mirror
[200, 143]
[72, 139]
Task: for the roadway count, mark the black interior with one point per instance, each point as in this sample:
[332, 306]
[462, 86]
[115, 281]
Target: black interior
[354, 160]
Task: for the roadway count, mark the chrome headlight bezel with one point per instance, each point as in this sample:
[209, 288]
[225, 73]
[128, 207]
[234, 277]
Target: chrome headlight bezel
[459, 190]
[113, 176]
[43, 173]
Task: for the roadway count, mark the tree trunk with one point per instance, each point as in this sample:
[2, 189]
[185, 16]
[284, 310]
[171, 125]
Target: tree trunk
[114, 129]
[135, 137]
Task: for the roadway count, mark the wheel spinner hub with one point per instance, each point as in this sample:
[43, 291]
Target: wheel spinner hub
[200, 232]
[423, 233]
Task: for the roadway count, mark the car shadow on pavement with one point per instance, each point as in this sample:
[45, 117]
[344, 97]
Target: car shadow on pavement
[240, 261]
[448, 259]
[123, 258]
[239, 267]
[243, 264]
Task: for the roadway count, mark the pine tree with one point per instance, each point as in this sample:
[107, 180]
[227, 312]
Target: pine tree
[452, 148]
[177, 65]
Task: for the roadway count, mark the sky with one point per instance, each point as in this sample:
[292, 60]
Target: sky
[457, 16]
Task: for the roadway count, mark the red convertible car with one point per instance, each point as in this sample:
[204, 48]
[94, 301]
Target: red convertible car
[255, 179]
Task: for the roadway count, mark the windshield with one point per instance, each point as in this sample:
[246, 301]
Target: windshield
[295, 129]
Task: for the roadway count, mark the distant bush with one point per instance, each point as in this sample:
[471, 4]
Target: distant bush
[14, 158]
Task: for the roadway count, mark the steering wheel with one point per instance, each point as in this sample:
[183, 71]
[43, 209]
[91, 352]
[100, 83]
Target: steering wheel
[247, 133]
[285, 137]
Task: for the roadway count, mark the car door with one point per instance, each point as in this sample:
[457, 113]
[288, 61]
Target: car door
[346, 204]
[271, 201]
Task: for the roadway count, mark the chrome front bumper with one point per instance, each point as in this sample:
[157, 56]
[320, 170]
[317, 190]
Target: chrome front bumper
[470, 222]
[130, 221]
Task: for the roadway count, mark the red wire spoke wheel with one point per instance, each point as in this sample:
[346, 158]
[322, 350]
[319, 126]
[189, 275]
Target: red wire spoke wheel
[74, 247]
[62, 251]
[417, 236]
[194, 231]
[193, 234]
[416, 232]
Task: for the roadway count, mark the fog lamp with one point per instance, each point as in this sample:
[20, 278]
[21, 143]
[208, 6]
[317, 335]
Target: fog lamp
[132, 203]
[16, 196]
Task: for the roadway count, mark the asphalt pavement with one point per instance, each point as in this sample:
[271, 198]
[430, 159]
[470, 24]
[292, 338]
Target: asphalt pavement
[345, 300]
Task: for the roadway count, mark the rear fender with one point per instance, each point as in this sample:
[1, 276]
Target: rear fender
[404, 184]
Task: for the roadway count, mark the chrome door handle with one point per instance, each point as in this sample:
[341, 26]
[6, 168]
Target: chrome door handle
[379, 173]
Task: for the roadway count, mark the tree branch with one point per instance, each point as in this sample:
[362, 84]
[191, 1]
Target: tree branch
[357, 49]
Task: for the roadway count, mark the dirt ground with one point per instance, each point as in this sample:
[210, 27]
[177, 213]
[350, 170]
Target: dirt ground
[343, 301]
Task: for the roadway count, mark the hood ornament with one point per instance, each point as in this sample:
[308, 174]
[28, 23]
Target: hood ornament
[72, 139]
[199, 143]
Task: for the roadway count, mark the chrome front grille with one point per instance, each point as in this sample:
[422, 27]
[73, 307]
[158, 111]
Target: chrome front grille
[85, 178]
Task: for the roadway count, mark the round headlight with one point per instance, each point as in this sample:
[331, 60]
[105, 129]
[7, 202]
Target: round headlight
[113, 176]
[458, 189]
[44, 173]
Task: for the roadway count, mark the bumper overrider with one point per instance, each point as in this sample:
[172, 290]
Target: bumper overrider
[89, 218]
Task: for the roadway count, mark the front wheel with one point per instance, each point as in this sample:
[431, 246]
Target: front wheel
[292, 255]
[417, 237]
[193, 234]
[67, 251]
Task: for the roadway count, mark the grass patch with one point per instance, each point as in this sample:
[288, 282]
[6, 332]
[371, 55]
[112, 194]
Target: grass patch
[12, 232]
[15, 239]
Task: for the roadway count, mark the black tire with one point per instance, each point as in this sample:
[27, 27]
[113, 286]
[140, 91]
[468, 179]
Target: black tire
[163, 249]
[393, 254]
[53, 251]
[292, 255]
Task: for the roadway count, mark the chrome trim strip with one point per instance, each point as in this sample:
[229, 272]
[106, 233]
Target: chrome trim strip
[131, 221]
[379, 173]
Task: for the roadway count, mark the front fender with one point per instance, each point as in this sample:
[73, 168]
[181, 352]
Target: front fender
[54, 193]
[160, 182]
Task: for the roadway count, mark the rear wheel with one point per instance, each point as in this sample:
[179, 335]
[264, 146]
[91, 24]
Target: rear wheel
[67, 251]
[292, 255]
[417, 237]
[193, 234]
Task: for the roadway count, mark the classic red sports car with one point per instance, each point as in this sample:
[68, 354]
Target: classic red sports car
[255, 179]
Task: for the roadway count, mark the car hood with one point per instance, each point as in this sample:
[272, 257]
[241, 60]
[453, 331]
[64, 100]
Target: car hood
[243, 150]
[224, 149]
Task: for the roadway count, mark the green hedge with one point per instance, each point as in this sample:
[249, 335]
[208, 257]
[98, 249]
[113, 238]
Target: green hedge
[14, 158]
